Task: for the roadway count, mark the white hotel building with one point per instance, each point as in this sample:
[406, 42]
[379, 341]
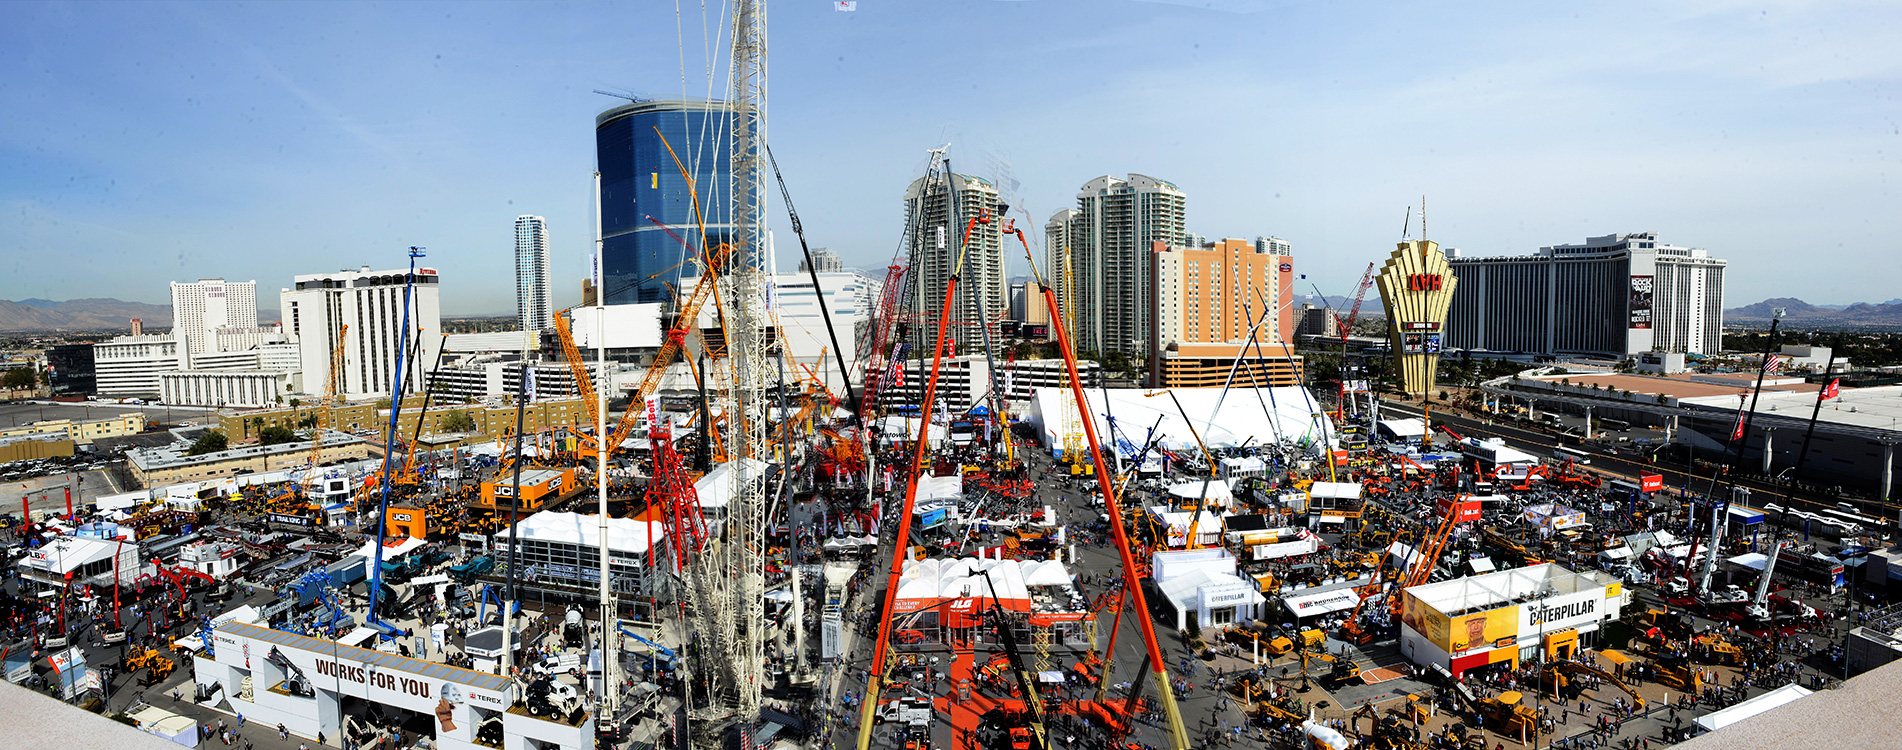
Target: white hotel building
[370, 303]
[1613, 296]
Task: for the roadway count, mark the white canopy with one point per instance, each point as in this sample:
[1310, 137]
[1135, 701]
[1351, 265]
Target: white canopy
[1719, 719]
[1311, 605]
[932, 488]
[1219, 490]
[1222, 420]
[393, 551]
[1335, 490]
[624, 534]
[965, 577]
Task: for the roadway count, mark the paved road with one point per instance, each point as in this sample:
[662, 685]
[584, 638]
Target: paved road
[1676, 479]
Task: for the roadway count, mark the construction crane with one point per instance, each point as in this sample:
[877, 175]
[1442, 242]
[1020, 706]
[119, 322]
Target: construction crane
[320, 420]
[741, 641]
[879, 338]
[1346, 326]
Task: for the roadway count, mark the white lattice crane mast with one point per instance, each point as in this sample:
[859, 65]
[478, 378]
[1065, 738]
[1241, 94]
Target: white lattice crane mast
[745, 552]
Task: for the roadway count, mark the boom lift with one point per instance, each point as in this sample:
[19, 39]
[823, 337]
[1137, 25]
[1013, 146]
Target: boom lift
[1759, 608]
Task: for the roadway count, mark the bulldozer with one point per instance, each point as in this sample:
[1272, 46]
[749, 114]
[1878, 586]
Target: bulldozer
[1502, 714]
[157, 666]
[1674, 669]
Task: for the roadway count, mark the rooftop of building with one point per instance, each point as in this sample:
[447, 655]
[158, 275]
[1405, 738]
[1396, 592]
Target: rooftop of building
[1876, 408]
[35, 720]
[657, 105]
[1860, 713]
[172, 455]
[1683, 386]
[1483, 592]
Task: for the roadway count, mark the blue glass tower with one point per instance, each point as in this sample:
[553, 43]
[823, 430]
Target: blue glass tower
[644, 196]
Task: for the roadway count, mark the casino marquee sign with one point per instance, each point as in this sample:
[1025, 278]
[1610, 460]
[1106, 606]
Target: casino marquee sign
[1416, 287]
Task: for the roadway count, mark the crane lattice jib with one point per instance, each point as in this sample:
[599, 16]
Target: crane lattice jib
[564, 330]
[684, 321]
[321, 419]
[745, 569]
[1360, 294]
[881, 336]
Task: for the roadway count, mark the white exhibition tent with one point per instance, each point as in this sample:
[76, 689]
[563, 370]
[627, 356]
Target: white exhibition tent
[1334, 490]
[1781, 696]
[1219, 491]
[393, 551]
[626, 535]
[937, 579]
[1221, 419]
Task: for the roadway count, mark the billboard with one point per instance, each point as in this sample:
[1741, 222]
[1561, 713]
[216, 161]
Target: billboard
[1421, 343]
[1479, 631]
[1558, 612]
[1494, 628]
[1462, 510]
[1651, 482]
[1640, 306]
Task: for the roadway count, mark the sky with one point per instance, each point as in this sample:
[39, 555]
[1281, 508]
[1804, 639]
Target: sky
[149, 142]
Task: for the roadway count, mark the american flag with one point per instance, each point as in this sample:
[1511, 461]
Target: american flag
[1774, 363]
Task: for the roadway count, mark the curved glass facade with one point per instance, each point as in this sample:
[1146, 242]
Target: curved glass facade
[644, 196]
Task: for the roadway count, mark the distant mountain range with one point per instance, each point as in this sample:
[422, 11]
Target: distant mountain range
[1796, 309]
[95, 314]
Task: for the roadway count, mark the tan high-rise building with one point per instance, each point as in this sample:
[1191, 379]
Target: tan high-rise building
[938, 219]
[1108, 236]
[1211, 302]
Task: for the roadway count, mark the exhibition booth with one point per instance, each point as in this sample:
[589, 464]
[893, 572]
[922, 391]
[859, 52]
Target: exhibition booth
[1507, 616]
[310, 685]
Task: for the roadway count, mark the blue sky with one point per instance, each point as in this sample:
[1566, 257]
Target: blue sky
[147, 142]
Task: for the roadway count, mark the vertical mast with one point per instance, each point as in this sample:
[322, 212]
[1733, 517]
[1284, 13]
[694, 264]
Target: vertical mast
[610, 689]
[745, 547]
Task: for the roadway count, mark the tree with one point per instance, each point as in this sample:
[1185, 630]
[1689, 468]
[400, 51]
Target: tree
[458, 421]
[274, 434]
[210, 442]
[20, 378]
[296, 402]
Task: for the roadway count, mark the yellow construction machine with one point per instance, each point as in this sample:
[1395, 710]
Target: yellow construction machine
[1561, 674]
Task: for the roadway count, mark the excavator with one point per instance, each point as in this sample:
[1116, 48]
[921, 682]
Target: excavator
[1389, 732]
[1562, 675]
[1341, 669]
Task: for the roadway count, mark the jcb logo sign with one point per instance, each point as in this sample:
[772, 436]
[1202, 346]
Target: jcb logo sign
[1423, 282]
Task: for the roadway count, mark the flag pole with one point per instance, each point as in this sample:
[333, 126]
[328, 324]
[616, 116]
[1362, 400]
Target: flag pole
[1769, 350]
[1823, 394]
